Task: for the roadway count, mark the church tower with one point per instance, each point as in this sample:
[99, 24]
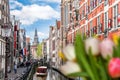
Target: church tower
[35, 42]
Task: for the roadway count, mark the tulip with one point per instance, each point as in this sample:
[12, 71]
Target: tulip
[61, 55]
[69, 52]
[70, 67]
[115, 39]
[114, 67]
[92, 43]
[106, 48]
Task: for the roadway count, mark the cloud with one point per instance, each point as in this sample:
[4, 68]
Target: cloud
[49, 1]
[32, 13]
[15, 4]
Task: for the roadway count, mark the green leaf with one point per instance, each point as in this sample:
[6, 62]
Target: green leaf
[93, 64]
[81, 56]
[118, 48]
[78, 74]
[102, 65]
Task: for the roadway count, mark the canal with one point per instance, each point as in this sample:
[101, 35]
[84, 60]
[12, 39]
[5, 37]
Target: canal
[52, 75]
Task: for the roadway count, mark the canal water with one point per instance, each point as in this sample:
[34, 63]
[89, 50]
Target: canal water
[50, 76]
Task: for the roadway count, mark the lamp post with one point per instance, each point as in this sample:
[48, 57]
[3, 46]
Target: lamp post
[6, 30]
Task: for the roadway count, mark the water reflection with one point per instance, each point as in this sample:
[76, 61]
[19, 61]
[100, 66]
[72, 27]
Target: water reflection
[50, 76]
[39, 78]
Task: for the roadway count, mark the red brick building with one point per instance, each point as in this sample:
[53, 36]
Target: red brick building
[96, 17]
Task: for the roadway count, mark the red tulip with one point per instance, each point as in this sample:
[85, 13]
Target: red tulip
[114, 67]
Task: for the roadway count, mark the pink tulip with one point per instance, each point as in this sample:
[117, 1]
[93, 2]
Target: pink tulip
[114, 67]
[92, 43]
[106, 48]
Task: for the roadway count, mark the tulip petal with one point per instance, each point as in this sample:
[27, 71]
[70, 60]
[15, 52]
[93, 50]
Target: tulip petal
[106, 48]
[69, 52]
[92, 43]
[114, 67]
[70, 67]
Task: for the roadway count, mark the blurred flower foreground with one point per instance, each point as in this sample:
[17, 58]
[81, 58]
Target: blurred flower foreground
[92, 59]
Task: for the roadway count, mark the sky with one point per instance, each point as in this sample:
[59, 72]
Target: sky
[36, 14]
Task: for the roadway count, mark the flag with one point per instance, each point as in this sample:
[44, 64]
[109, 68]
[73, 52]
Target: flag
[23, 51]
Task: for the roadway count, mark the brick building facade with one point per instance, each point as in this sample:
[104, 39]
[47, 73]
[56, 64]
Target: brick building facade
[95, 17]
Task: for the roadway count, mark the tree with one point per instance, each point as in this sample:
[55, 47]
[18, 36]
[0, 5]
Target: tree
[39, 50]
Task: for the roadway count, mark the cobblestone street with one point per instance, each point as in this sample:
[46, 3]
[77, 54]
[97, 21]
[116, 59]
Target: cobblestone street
[13, 76]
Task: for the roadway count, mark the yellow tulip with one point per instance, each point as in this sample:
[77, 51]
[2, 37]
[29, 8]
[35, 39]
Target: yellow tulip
[61, 55]
[115, 39]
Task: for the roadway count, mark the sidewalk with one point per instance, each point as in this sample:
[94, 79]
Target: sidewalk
[13, 76]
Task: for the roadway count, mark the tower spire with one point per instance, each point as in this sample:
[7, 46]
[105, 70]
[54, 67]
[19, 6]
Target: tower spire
[35, 42]
[35, 32]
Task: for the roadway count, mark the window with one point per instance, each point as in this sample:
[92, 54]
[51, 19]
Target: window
[95, 3]
[66, 15]
[0, 14]
[87, 8]
[83, 13]
[98, 23]
[106, 2]
[91, 30]
[99, 1]
[115, 15]
[53, 45]
[91, 5]
[0, 48]
[3, 48]
[0, 1]
[0, 30]
[106, 20]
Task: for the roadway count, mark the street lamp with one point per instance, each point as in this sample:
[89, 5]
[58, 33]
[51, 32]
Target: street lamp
[6, 30]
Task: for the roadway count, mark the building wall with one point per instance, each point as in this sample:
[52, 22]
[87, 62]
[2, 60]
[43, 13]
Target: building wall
[4, 18]
[96, 17]
[28, 52]
[22, 46]
[52, 39]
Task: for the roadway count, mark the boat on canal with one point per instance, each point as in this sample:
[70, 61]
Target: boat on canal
[41, 71]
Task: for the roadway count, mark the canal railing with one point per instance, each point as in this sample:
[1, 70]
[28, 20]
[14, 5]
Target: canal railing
[32, 71]
[28, 74]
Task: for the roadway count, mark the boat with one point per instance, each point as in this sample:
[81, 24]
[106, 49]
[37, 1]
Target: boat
[41, 71]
